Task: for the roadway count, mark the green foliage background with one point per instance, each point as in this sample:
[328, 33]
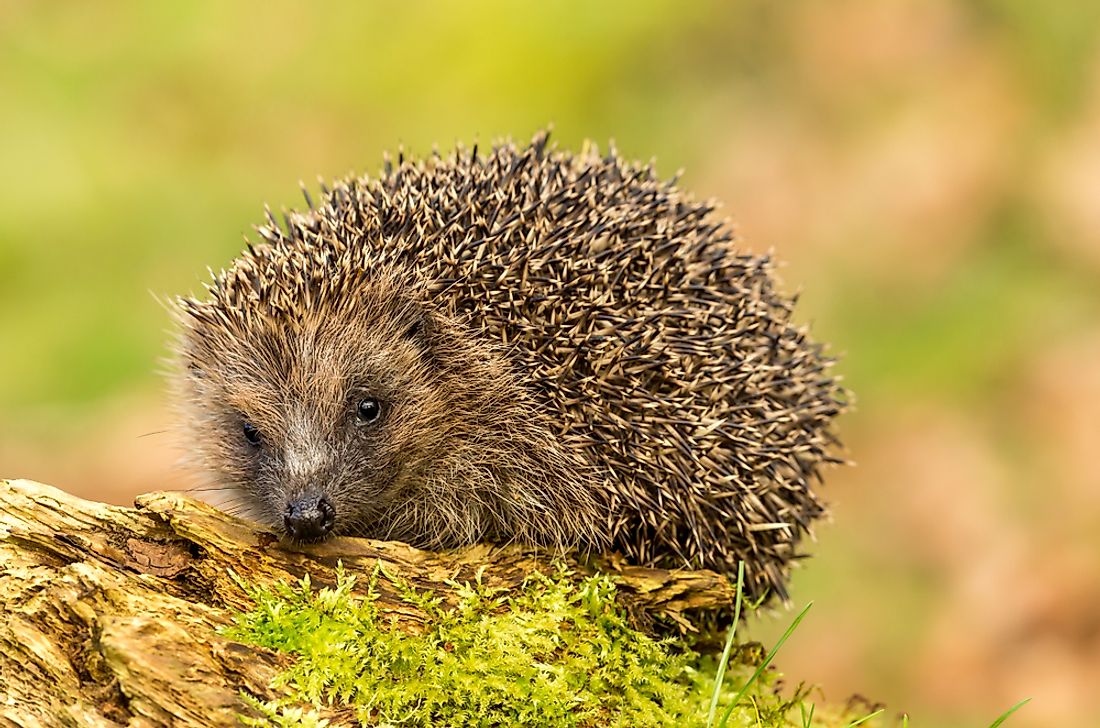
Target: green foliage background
[929, 168]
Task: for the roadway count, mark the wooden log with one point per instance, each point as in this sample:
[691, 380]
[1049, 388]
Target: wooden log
[111, 616]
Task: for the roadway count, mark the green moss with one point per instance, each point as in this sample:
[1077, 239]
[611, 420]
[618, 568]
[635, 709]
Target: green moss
[555, 652]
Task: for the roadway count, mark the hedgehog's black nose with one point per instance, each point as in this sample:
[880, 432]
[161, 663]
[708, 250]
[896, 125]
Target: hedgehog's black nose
[309, 518]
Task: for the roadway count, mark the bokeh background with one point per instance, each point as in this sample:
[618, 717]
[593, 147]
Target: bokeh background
[929, 170]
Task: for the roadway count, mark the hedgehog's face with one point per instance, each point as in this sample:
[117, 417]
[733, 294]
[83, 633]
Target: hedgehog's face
[317, 428]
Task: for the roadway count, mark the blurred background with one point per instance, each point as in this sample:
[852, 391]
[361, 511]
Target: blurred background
[929, 171]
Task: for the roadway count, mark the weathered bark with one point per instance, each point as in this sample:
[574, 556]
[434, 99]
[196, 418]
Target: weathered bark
[109, 616]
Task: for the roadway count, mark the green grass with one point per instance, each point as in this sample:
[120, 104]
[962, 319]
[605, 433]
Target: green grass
[1004, 716]
[723, 662]
[738, 699]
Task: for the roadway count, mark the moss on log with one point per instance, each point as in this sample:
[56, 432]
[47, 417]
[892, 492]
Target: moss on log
[111, 616]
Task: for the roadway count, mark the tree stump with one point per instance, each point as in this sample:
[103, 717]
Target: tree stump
[111, 616]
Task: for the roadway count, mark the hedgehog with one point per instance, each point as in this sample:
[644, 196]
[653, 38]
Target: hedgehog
[521, 346]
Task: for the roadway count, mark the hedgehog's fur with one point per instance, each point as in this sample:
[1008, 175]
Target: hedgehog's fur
[570, 351]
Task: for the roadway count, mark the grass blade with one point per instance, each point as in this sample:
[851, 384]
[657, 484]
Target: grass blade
[865, 718]
[1010, 711]
[729, 645]
[763, 666]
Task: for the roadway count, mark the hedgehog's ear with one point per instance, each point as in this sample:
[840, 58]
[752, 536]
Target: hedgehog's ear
[415, 329]
[420, 327]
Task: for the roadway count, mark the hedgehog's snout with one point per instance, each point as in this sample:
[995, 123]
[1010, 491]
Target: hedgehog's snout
[309, 517]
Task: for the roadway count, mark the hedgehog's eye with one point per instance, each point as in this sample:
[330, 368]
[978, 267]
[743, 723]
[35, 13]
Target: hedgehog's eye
[251, 434]
[368, 410]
